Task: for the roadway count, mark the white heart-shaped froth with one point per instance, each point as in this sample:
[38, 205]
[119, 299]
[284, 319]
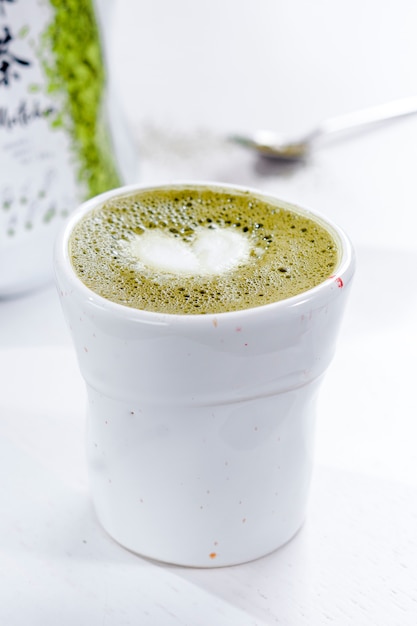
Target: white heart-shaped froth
[211, 252]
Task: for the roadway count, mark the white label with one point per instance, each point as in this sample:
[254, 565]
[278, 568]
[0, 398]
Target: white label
[37, 174]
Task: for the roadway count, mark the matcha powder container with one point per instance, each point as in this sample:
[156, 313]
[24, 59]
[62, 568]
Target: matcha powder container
[56, 118]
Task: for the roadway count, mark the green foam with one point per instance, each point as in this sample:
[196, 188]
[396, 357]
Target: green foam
[291, 252]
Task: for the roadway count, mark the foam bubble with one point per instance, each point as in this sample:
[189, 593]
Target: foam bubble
[213, 251]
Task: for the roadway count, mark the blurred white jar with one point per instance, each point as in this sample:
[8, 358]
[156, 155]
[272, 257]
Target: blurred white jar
[62, 140]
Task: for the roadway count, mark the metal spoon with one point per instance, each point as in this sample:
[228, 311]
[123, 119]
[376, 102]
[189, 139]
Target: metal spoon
[270, 144]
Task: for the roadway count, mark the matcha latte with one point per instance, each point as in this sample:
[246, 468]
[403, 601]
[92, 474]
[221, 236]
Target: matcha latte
[200, 249]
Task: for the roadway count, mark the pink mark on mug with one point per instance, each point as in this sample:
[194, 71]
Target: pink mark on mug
[338, 280]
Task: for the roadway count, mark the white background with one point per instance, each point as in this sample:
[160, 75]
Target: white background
[187, 73]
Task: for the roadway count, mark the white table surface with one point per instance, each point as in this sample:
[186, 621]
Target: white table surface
[187, 73]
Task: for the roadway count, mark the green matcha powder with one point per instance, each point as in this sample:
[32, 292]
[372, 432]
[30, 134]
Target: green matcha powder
[75, 71]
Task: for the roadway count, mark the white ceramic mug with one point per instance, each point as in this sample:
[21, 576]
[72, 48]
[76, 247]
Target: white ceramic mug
[201, 427]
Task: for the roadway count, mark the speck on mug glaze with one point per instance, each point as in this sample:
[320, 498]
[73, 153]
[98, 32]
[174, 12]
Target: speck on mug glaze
[200, 428]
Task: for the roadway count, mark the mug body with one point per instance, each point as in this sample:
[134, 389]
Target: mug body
[201, 427]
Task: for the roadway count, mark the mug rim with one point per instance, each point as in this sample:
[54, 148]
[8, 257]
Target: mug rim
[341, 275]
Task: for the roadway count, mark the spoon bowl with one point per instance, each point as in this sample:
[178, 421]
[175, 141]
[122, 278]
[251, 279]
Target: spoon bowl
[269, 144]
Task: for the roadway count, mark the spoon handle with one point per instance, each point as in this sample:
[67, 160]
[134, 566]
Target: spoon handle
[372, 115]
